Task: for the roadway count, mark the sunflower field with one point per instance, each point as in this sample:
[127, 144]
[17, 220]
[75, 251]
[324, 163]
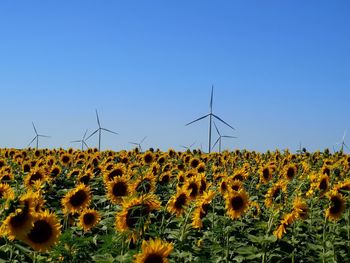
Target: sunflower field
[131, 206]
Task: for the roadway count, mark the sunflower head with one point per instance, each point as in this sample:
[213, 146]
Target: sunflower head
[76, 199]
[154, 251]
[178, 202]
[88, 219]
[337, 206]
[118, 189]
[236, 203]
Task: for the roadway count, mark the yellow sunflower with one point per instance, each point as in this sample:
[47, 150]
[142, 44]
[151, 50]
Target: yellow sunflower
[44, 233]
[154, 251]
[337, 207]
[35, 175]
[6, 192]
[135, 213]
[236, 203]
[178, 203]
[118, 189]
[88, 219]
[266, 174]
[145, 184]
[274, 197]
[76, 199]
[193, 185]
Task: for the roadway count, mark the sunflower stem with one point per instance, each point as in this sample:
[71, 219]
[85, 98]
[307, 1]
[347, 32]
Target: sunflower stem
[324, 239]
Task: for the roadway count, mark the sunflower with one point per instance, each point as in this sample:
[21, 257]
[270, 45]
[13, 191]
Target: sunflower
[135, 214]
[6, 192]
[118, 189]
[290, 171]
[148, 157]
[266, 174]
[85, 177]
[343, 187]
[337, 207]
[194, 162]
[145, 184]
[76, 199]
[201, 168]
[202, 208]
[193, 186]
[235, 185]
[181, 178]
[115, 171]
[177, 203]
[236, 203]
[18, 223]
[165, 178]
[44, 232]
[154, 251]
[65, 159]
[255, 208]
[300, 207]
[88, 219]
[240, 175]
[323, 184]
[274, 197]
[287, 220]
[55, 171]
[36, 175]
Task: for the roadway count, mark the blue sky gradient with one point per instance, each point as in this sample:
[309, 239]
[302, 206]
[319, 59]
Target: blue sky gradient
[281, 71]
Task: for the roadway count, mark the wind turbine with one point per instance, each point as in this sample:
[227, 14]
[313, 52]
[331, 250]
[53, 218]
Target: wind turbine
[37, 137]
[220, 137]
[188, 147]
[99, 130]
[342, 143]
[82, 141]
[139, 144]
[211, 115]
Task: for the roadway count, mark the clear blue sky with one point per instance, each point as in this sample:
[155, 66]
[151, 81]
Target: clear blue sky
[281, 71]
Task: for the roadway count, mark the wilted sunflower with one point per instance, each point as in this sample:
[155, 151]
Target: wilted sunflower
[76, 199]
[118, 189]
[135, 213]
[236, 203]
[287, 220]
[177, 203]
[88, 219]
[44, 233]
[154, 251]
[337, 206]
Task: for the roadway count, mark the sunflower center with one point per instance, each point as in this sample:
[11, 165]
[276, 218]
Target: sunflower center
[148, 158]
[194, 163]
[165, 178]
[238, 177]
[323, 185]
[85, 179]
[89, 219]
[136, 214]
[237, 203]
[65, 159]
[180, 201]
[19, 219]
[114, 173]
[266, 173]
[41, 232]
[78, 198]
[154, 258]
[290, 173]
[336, 207]
[120, 189]
[194, 189]
[35, 177]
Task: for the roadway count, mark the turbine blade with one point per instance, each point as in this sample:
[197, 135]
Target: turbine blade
[346, 147]
[216, 143]
[182, 146]
[75, 141]
[192, 144]
[34, 128]
[32, 141]
[344, 135]
[87, 146]
[134, 143]
[108, 130]
[143, 139]
[201, 118]
[216, 128]
[226, 136]
[223, 122]
[85, 134]
[46, 136]
[91, 134]
[98, 119]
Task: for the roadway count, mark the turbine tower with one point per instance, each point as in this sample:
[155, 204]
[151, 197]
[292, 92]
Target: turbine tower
[211, 115]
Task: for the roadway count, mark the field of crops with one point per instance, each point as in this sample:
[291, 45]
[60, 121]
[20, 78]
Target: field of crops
[127, 206]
